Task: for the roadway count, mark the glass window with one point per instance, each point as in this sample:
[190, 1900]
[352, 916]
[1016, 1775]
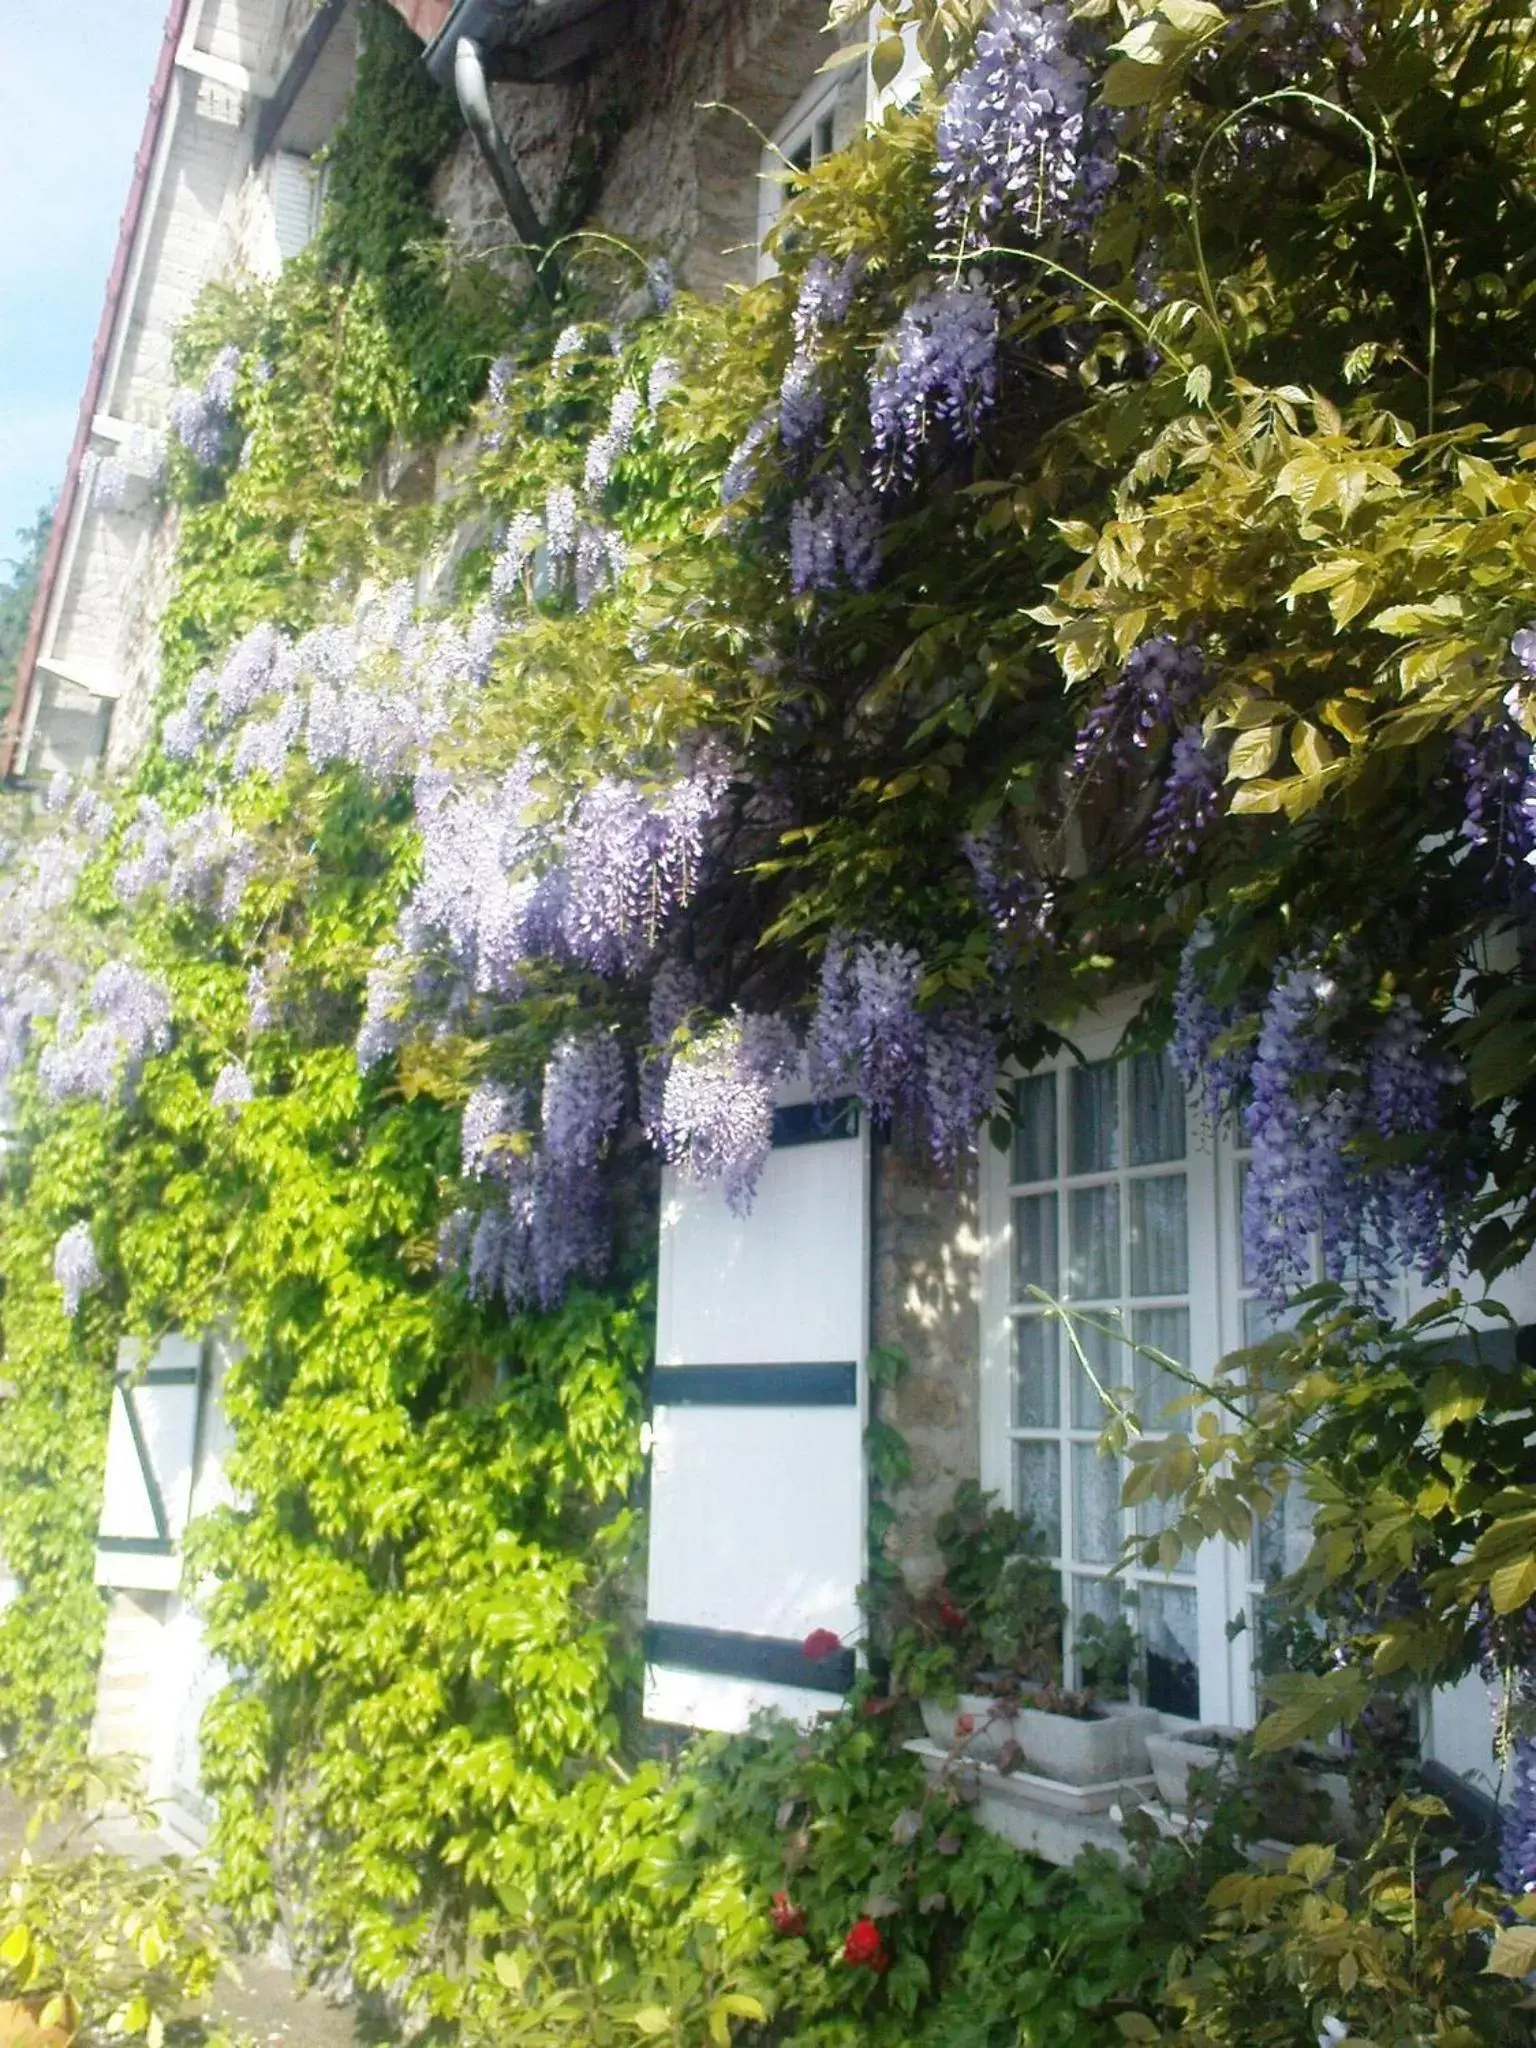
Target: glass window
[1099, 1212]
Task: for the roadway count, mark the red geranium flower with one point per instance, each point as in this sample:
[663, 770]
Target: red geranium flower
[787, 1918]
[864, 1948]
[821, 1643]
[950, 1615]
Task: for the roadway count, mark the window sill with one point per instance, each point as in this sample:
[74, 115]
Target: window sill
[1043, 1816]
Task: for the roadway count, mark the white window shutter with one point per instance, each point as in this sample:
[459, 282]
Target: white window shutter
[758, 1497]
[151, 1458]
[294, 189]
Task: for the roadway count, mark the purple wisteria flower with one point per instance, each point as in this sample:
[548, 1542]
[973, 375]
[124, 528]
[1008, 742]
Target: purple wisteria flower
[560, 522]
[1406, 1085]
[1018, 902]
[1197, 1024]
[605, 448]
[147, 854]
[1018, 134]
[524, 532]
[660, 283]
[741, 470]
[1517, 1826]
[835, 536]
[132, 1010]
[233, 1088]
[492, 1113]
[1496, 764]
[934, 1070]
[246, 674]
[385, 1008]
[676, 993]
[109, 484]
[601, 559]
[938, 370]
[825, 295]
[583, 1097]
[1190, 802]
[76, 1269]
[201, 417]
[718, 1100]
[663, 379]
[1523, 648]
[1157, 688]
[802, 406]
[1298, 1121]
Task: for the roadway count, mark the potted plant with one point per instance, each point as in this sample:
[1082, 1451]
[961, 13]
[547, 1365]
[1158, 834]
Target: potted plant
[982, 1655]
[1300, 1794]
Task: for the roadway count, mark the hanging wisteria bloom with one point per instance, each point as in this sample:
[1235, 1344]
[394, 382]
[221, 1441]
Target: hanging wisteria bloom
[665, 376]
[525, 530]
[1018, 902]
[868, 1034]
[583, 1097]
[1190, 802]
[76, 1270]
[233, 1088]
[560, 522]
[718, 1101]
[492, 1114]
[834, 536]
[1018, 134]
[938, 370]
[741, 470]
[605, 448]
[200, 417]
[676, 993]
[660, 283]
[103, 1059]
[802, 407]
[1523, 648]
[1157, 687]
[959, 1085]
[1197, 1025]
[1517, 1825]
[1406, 1085]
[825, 295]
[1496, 764]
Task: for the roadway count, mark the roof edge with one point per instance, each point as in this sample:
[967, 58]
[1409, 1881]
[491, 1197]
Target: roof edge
[127, 236]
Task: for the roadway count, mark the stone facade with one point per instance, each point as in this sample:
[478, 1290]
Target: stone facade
[926, 1278]
[677, 114]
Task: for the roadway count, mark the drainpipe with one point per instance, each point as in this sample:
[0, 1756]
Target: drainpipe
[479, 117]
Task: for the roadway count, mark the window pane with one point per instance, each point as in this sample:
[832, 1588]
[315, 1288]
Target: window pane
[1095, 1118]
[1036, 1381]
[1157, 1110]
[1093, 1273]
[1034, 1141]
[1034, 1244]
[1096, 1596]
[1284, 1537]
[1108, 1362]
[1037, 1490]
[1164, 1329]
[1159, 1235]
[1095, 1506]
[1171, 1634]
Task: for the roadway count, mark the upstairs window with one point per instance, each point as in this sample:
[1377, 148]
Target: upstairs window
[815, 126]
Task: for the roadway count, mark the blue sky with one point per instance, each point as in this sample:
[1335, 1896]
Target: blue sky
[74, 83]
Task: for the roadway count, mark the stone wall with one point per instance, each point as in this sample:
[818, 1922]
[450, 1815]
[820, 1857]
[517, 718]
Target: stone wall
[927, 1291]
[674, 114]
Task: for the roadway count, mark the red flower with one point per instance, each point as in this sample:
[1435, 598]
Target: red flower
[965, 1724]
[786, 1918]
[821, 1643]
[950, 1615]
[864, 1948]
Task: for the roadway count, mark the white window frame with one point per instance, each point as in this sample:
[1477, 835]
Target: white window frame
[812, 119]
[1221, 1577]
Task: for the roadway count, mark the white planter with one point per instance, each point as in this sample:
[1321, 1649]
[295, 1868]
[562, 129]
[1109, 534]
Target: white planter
[1095, 1752]
[1174, 1756]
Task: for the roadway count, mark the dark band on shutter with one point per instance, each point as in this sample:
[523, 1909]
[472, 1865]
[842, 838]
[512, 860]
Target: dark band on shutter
[137, 1546]
[772, 1660]
[755, 1386]
[815, 1123]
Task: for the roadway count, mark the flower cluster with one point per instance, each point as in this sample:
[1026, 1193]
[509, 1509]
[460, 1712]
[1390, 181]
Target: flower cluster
[934, 1069]
[1314, 1191]
[76, 1269]
[604, 449]
[1018, 135]
[233, 1088]
[717, 1102]
[1016, 900]
[834, 536]
[1499, 780]
[1517, 1830]
[1190, 801]
[200, 417]
[1158, 685]
[939, 369]
[1197, 1025]
[132, 1012]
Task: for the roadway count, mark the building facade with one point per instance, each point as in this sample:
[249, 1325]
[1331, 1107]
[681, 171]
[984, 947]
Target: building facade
[1115, 1195]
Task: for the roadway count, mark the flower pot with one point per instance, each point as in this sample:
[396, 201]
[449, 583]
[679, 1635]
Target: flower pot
[1139, 1724]
[1092, 1752]
[992, 1726]
[1174, 1756]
